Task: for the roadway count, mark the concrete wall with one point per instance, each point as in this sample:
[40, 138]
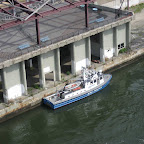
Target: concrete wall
[79, 57]
[113, 39]
[14, 81]
[116, 3]
[121, 35]
[102, 44]
[108, 43]
[49, 62]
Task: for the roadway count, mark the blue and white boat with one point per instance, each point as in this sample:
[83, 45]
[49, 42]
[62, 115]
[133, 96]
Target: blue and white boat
[89, 83]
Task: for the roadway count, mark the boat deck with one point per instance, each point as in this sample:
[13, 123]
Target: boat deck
[57, 100]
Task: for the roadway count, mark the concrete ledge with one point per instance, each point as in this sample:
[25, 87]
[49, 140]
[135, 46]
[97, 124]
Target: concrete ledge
[124, 58]
[100, 29]
[27, 56]
[1, 65]
[107, 27]
[93, 32]
[79, 37]
[26, 104]
[8, 63]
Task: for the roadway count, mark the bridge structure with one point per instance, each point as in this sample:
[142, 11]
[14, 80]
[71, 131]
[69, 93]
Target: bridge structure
[40, 40]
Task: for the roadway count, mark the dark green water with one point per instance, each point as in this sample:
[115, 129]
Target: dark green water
[113, 116]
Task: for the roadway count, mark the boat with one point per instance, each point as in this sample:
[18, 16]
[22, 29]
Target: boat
[89, 83]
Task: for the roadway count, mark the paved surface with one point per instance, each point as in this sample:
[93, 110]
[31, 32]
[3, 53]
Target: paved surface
[137, 33]
[55, 28]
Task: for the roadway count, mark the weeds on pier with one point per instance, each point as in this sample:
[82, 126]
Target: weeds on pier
[137, 8]
[124, 50]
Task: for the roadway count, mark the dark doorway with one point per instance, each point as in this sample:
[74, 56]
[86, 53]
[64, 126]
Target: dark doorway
[32, 72]
[95, 47]
[65, 59]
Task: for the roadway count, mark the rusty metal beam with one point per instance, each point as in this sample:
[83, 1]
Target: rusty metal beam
[51, 6]
[86, 15]
[5, 11]
[37, 31]
[8, 13]
[46, 13]
[76, 4]
[69, 2]
[27, 9]
[17, 5]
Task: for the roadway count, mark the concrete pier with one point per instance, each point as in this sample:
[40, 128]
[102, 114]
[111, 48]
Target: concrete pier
[128, 34]
[100, 42]
[80, 55]
[57, 69]
[115, 43]
[102, 54]
[88, 51]
[49, 62]
[14, 81]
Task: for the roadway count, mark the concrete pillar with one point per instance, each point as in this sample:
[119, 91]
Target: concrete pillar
[79, 55]
[14, 81]
[128, 34]
[41, 71]
[57, 73]
[49, 62]
[73, 63]
[115, 44]
[4, 85]
[88, 52]
[102, 56]
[23, 76]
[30, 63]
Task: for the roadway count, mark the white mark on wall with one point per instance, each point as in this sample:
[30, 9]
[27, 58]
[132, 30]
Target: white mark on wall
[15, 91]
[108, 53]
[80, 64]
[46, 70]
[88, 62]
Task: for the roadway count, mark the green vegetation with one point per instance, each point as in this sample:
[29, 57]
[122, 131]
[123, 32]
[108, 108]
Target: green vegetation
[68, 73]
[36, 86]
[32, 68]
[63, 79]
[30, 91]
[137, 8]
[123, 50]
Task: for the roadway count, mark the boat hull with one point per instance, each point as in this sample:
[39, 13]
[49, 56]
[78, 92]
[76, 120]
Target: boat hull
[67, 102]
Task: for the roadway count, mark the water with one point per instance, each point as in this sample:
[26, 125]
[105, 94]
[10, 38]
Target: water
[113, 116]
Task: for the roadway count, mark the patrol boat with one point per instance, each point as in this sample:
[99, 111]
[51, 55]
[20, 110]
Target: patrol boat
[89, 83]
